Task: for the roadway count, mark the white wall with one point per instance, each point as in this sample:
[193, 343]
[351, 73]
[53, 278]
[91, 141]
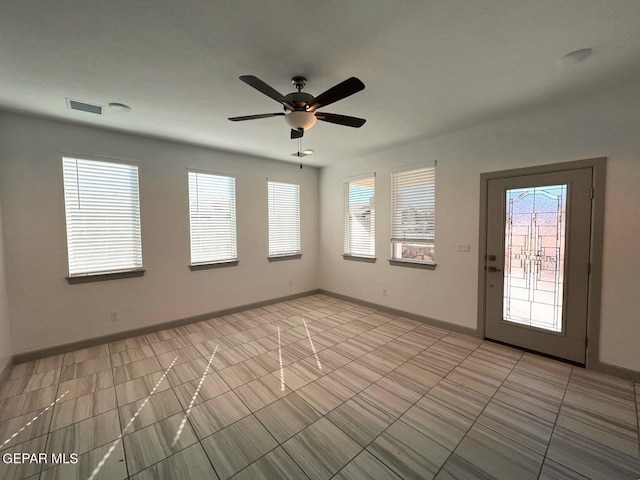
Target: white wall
[607, 125]
[46, 311]
[5, 327]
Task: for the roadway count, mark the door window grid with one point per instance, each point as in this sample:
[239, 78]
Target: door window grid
[534, 256]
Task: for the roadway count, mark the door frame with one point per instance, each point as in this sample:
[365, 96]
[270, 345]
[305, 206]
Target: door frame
[598, 166]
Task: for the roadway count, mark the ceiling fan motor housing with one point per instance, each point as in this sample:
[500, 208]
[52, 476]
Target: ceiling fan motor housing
[302, 101]
[300, 118]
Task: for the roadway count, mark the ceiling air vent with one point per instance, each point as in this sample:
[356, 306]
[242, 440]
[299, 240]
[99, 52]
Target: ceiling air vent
[84, 107]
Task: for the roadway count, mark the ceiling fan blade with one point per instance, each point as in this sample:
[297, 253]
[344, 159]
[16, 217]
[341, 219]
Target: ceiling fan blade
[255, 117]
[297, 133]
[341, 119]
[342, 90]
[268, 90]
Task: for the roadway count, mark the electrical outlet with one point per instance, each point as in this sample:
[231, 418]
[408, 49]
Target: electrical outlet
[113, 316]
[291, 283]
[384, 292]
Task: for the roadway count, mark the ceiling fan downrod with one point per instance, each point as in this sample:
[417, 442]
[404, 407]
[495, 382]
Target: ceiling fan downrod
[299, 82]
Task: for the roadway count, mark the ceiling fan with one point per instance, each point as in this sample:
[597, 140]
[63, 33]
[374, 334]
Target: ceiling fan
[300, 108]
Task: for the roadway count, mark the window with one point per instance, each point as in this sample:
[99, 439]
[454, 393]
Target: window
[359, 217]
[102, 209]
[284, 219]
[212, 217]
[413, 215]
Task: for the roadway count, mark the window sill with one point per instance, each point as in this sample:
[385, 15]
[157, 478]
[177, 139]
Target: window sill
[103, 277]
[357, 258]
[208, 266]
[410, 264]
[279, 258]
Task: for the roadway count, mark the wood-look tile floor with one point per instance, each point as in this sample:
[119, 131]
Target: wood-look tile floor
[315, 388]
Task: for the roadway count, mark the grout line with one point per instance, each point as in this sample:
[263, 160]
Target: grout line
[475, 421]
[555, 422]
[357, 393]
[46, 444]
[352, 361]
[33, 420]
[414, 403]
[115, 396]
[636, 395]
[98, 467]
[278, 444]
[247, 324]
[193, 399]
[199, 440]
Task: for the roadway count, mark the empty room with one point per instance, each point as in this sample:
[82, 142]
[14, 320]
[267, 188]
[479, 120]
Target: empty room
[320, 240]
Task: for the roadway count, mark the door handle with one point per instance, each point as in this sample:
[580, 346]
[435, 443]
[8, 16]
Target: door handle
[493, 269]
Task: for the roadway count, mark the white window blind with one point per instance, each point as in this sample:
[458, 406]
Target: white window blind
[359, 217]
[212, 217]
[284, 219]
[413, 214]
[102, 209]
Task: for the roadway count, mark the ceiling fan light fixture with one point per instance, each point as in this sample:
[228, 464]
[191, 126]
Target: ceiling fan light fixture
[299, 119]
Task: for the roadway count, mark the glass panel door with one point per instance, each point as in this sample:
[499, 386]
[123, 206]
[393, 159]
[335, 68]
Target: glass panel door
[534, 256]
[538, 235]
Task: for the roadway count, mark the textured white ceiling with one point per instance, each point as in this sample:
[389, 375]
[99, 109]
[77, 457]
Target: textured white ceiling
[429, 66]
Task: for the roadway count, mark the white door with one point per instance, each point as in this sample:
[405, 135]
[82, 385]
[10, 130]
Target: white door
[537, 261]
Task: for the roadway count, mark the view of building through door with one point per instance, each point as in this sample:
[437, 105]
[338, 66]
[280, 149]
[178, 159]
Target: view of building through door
[538, 230]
